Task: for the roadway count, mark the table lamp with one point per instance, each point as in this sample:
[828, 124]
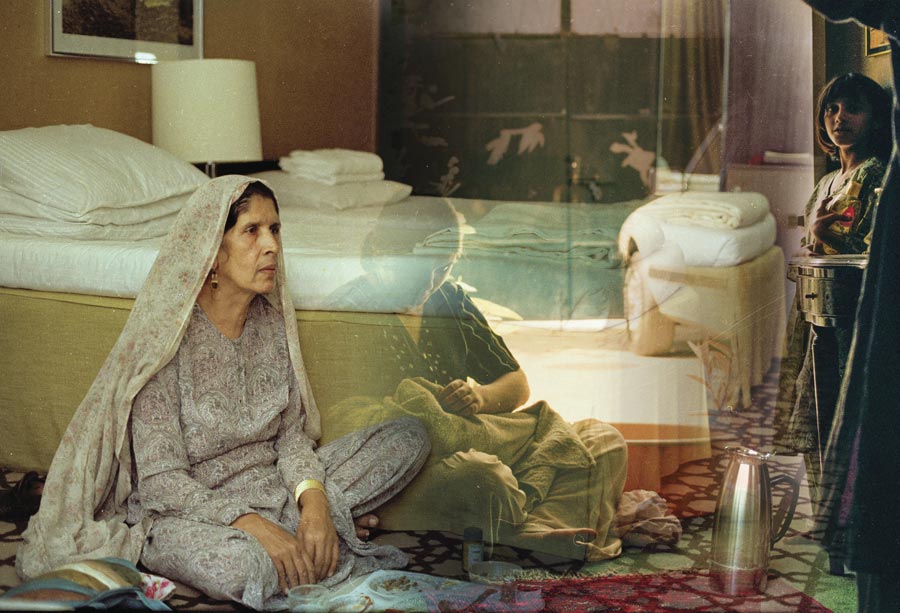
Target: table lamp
[206, 111]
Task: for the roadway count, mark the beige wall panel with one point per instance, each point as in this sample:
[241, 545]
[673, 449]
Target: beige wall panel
[39, 90]
[316, 68]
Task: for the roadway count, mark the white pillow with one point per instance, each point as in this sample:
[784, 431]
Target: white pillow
[12, 203]
[73, 170]
[296, 191]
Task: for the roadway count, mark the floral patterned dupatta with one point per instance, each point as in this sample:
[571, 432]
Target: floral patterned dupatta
[83, 510]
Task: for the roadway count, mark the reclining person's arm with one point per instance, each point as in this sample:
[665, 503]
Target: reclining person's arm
[502, 395]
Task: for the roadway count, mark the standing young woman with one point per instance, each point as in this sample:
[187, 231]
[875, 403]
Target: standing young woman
[853, 119]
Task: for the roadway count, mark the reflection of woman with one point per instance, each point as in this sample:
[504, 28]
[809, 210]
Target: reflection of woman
[852, 121]
[415, 282]
[445, 339]
[220, 485]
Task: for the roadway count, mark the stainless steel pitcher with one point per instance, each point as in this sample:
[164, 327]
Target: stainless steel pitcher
[744, 529]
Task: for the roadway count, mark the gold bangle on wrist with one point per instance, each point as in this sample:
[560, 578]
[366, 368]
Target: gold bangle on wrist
[309, 484]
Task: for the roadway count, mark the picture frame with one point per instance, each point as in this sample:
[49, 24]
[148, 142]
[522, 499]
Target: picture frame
[152, 31]
[876, 42]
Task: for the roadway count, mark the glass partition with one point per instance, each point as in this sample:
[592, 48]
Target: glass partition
[553, 100]
[693, 87]
[549, 126]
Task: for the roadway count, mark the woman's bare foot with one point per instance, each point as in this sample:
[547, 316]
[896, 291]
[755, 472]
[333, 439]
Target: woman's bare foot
[363, 523]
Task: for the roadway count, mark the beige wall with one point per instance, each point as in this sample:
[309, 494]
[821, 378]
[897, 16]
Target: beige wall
[770, 87]
[316, 70]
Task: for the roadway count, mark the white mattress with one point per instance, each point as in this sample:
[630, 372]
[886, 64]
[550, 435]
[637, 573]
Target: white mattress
[721, 247]
[322, 252]
[700, 246]
[118, 269]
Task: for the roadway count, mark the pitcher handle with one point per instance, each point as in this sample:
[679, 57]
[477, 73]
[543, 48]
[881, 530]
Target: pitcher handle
[786, 508]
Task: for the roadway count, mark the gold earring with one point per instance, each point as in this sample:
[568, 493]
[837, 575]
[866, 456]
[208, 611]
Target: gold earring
[214, 279]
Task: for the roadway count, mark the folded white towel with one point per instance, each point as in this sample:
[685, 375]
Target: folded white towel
[303, 171]
[303, 192]
[709, 209]
[337, 161]
[327, 179]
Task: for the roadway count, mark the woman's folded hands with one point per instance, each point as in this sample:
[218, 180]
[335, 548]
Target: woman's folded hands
[294, 564]
[310, 555]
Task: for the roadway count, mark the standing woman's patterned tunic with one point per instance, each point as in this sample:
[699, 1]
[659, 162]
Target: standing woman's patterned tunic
[218, 433]
[796, 410]
[855, 239]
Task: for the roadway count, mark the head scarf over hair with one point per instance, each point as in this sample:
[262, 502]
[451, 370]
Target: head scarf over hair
[83, 510]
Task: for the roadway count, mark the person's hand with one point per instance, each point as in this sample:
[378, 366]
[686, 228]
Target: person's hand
[820, 228]
[460, 398]
[293, 564]
[317, 534]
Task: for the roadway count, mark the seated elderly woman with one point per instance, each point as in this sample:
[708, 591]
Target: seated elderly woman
[195, 448]
[526, 477]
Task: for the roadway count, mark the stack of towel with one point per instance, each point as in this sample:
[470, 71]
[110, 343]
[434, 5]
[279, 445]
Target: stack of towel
[342, 178]
[724, 210]
[548, 231]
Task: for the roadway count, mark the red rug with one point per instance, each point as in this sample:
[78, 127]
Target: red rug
[677, 591]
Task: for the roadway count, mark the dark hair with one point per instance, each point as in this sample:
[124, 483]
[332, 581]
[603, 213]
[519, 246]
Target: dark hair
[855, 86]
[256, 188]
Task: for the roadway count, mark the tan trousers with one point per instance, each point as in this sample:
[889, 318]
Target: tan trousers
[472, 488]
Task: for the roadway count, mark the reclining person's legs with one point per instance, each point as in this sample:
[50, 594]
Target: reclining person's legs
[586, 498]
[467, 488]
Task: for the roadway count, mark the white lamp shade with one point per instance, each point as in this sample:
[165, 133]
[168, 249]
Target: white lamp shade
[207, 110]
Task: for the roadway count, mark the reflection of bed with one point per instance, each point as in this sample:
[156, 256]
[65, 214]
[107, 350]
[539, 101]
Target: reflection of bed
[719, 275]
[658, 403]
[547, 261]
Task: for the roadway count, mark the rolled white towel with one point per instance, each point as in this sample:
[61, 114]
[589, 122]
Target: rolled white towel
[338, 161]
[304, 171]
[709, 209]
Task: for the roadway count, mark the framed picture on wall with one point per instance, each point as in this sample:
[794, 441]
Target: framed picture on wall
[145, 31]
[876, 42]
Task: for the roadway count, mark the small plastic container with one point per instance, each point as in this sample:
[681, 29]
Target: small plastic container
[493, 572]
[502, 574]
[473, 547]
[310, 597]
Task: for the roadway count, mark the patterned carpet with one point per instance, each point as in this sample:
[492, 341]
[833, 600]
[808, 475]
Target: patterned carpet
[797, 563]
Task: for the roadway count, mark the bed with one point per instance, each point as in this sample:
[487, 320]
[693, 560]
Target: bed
[707, 262]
